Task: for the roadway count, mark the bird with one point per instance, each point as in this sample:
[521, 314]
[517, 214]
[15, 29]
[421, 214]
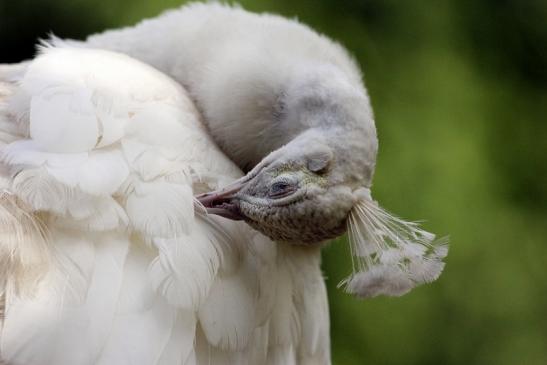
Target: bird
[166, 190]
[289, 107]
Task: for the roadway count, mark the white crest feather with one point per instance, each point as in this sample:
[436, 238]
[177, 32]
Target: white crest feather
[390, 256]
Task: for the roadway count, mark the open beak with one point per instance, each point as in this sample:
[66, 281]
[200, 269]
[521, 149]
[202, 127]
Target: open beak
[223, 202]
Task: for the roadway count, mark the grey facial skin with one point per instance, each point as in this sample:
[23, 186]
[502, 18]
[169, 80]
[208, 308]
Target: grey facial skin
[290, 201]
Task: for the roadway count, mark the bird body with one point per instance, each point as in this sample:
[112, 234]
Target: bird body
[115, 172]
[103, 155]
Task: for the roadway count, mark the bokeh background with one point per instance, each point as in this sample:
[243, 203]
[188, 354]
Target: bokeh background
[459, 89]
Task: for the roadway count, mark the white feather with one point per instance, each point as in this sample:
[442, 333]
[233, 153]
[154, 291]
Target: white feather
[43, 193]
[138, 277]
[285, 322]
[24, 250]
[229, 326]
[146, 328]
[103, 173]
[63, 121]
[27, 152]
[390, 256]
[160, 209]
[186, 267]
[312, 307]
[97, 214]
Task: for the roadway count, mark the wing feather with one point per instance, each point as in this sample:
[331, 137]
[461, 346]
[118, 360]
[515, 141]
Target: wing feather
[110, 152]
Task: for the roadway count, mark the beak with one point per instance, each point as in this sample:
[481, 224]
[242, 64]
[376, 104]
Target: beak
[223, 202]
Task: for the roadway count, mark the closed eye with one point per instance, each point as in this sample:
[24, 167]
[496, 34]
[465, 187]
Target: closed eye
[281, 189]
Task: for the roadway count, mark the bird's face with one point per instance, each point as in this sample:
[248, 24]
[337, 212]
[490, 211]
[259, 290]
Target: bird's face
[291, 196]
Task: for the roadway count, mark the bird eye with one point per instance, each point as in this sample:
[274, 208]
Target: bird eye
[280, 189]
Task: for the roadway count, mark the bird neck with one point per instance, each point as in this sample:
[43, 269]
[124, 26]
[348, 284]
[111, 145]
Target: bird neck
[264, 114]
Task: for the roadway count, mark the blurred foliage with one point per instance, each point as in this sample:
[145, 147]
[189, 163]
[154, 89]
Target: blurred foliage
[459, 90]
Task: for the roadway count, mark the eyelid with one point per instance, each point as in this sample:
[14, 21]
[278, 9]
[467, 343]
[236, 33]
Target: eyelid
[288, 188]
[285, 178]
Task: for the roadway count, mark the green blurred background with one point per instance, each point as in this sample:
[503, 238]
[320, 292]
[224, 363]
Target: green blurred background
[459, 89]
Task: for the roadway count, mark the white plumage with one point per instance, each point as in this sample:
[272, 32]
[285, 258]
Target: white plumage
[107, 256]
[106, 153]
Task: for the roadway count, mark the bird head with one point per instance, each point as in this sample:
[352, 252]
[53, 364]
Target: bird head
[301, 193]
[317, 147]
[308, 140]
[313, 161]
